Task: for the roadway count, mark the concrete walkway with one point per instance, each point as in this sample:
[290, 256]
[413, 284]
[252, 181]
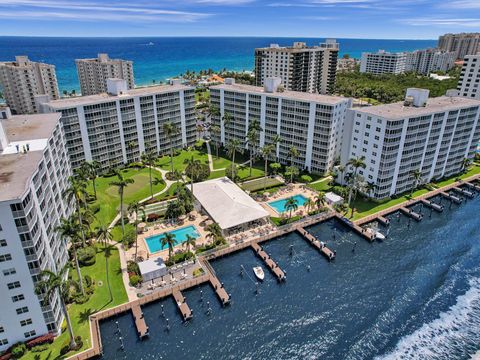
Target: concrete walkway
[322, 180]
[209, 155]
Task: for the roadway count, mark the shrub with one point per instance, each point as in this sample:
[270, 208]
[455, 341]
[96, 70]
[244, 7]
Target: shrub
[202, 174]
[306, 178]
[18, 350]
[198, 272]
[132, 267]
[228, 173]
[152, 217]
[47, 338]
[66, 345]
[130, 236]
[179, 257]
[39, 348]
[135, 280]
[87, 255]
[79, 298]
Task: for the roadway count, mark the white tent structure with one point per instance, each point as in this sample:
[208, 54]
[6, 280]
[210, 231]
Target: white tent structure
[152, 269]
[227, 204]
[333, 199]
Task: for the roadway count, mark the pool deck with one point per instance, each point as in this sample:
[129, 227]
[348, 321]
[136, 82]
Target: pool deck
[286, 193]
[210, 276]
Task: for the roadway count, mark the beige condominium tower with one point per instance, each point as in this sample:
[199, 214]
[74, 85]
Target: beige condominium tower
[93, 73]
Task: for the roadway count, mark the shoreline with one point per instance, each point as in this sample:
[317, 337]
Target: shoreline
[95, 340]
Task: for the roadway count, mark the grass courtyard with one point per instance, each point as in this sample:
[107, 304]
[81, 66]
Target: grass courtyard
[99, 300]
[179, 160]
[109, 200]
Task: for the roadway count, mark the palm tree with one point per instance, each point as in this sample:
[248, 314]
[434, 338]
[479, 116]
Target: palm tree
[291, 171]
[54, 283]
[266, 152]
[341, 170]
[369, 187]
[213, 111]
[69, 229]
[105, 236]
[77, 191]
[254, 130]
[291, 205]
[199, 130]
[214, 232]
[215, 130]
[169, 240]
[355, 163]
[121, 183]
[232, 147]
[227, 119]
[193, 166]
[293, 153]
[466, 162]
[135, 207]
[276, 140]
[91, 170]
[309, 204]
[170, 130]
[417, 178]
[148, 159]
[320, 200]
[189, 242]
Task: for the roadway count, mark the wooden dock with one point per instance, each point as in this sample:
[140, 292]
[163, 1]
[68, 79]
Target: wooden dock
[411, 213]
[451, 197]
[473, 186]
[361, 231]
[432, 205]
[272, 265]
[383, 220]
[329, 254]
[219, 290]
[182, 305]
[464, 192]
[142, 328]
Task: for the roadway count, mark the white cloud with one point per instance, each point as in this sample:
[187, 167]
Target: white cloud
[76, 10]
[426, 21]
[224, 2]
[462, 4]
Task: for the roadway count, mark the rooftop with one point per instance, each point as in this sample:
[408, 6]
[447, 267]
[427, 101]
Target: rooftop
[104, 97]
[399, 111]
[16, 168]
[226, 203]
[286, 94]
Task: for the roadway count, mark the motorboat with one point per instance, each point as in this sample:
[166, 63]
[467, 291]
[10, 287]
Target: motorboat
[379, 236]
[258, 271]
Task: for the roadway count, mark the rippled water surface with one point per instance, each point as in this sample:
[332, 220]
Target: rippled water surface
[415, 295]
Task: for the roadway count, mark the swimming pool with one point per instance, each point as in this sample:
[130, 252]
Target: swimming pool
[279, 205]
[154, 242]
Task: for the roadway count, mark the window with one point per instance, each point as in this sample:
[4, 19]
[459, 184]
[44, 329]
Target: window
[26, 322]
[3, 342]
[30, 334]
[13, 285]
[3, 242]
[19, 297]
[10, 271]
[22, 310]
[5, 257]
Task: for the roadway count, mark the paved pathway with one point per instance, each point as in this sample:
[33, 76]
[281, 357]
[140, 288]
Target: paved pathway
[322, 180]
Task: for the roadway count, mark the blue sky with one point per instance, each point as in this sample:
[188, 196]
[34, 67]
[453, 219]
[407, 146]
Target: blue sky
[385, 19]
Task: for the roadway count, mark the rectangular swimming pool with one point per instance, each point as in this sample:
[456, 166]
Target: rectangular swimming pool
[154, 242]
[279, 205]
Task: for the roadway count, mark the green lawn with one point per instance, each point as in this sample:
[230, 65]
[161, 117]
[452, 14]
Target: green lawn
[321, 186]
[100, 300]
[109, 200]
[221, 162]
[365, 207]
[178, 160]
[260, 184]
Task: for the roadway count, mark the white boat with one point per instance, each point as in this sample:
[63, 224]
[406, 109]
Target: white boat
[259, 273]
[379, 236]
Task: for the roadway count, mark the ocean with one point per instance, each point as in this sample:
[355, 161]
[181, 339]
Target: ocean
[416, 295]
[161, 58]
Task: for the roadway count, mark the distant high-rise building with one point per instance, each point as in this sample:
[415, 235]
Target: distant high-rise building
[312, 123]
[469, 83]
[116, 127]
[34, 170]
[383, 62]
[22, 80]
[428, 60]
[93, 73]
[432, 135]
[462, 44]
[302, 68]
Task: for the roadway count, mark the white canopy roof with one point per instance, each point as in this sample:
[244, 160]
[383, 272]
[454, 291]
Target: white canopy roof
[333, 198]
[152, 269]
[226, 203]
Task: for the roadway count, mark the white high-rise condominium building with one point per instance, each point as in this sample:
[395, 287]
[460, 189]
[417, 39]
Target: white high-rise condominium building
[34, 169]
[115, 128]
[383, 62]
[302, 68]
[22, 80]
[469, 83]
[462, 44]
[431, 135]
[312, 123]
[93, 73]
[428, 60]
